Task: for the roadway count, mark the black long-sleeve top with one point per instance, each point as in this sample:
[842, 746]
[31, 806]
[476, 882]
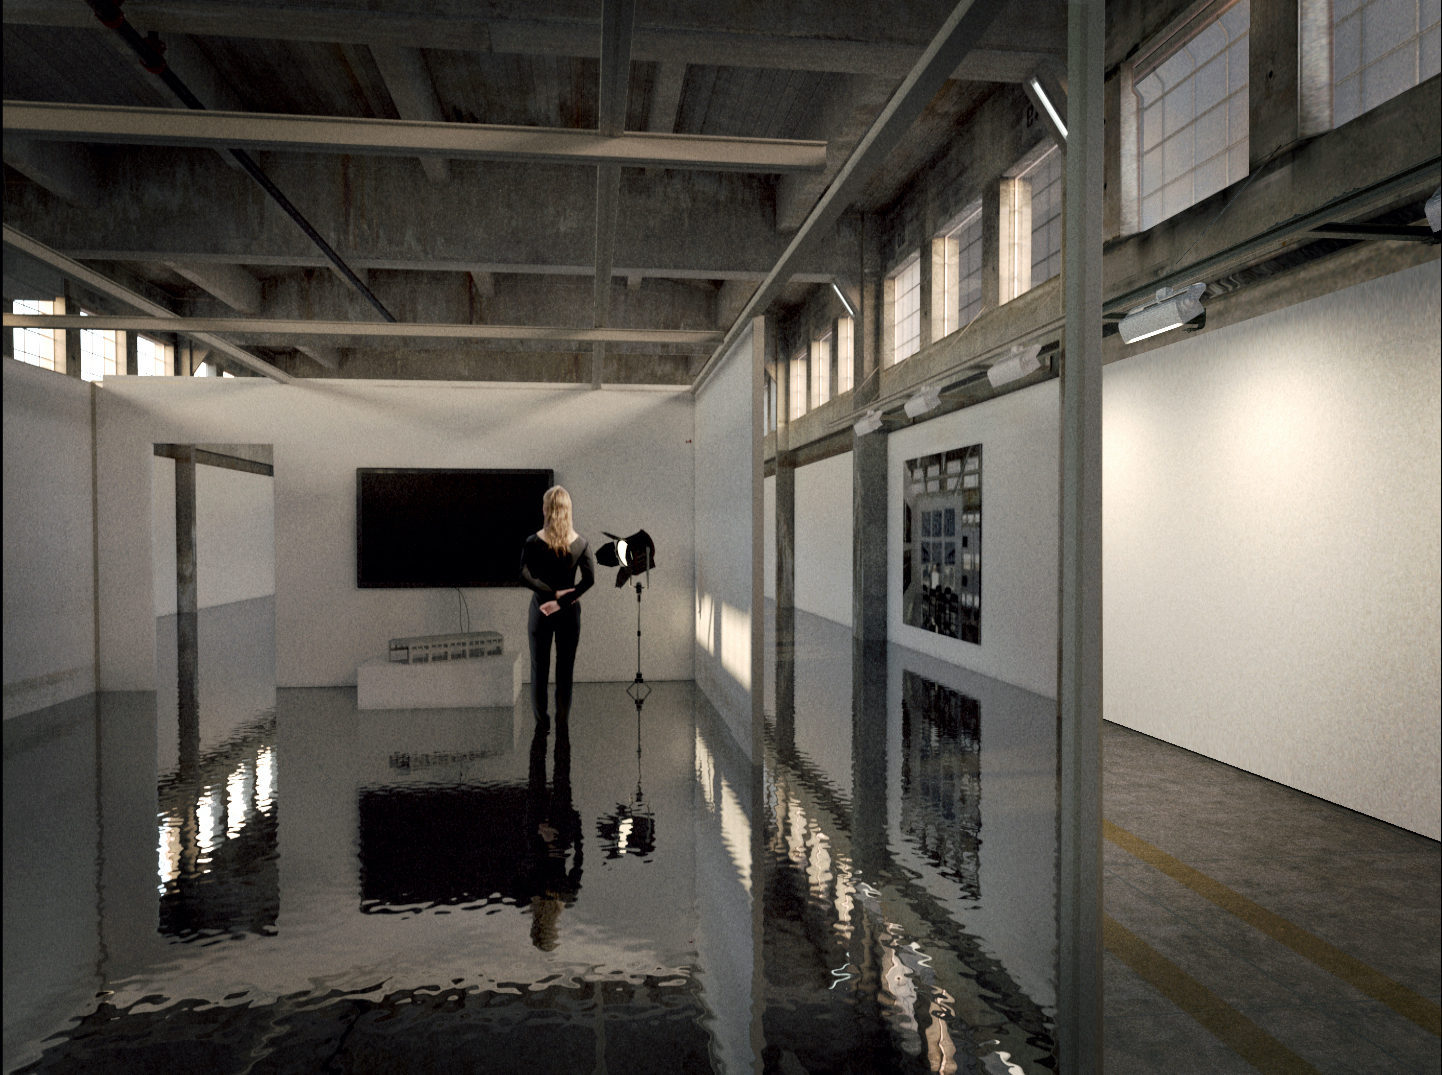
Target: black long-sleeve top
[545, 572]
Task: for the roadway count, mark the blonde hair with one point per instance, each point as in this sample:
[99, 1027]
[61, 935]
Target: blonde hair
[558, 532]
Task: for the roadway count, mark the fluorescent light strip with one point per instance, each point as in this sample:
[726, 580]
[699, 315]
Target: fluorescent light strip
[1046, 103]
[850, 312]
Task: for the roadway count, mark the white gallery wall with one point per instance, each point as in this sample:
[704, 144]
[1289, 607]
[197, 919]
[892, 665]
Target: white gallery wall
[1270, 546]
[1018, 433]
[234, 535]
[49, 602]
[729, 558]
[824, 538]
[622, 452]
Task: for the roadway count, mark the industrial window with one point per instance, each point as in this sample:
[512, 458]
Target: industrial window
[845, 328]
[956, 272]
[821, 370]
[798, 385]
[38, 346]
[1192, 115]
[102, 352]
[906, 308]
[1380, 48]
[1046, 223]
[153, 357]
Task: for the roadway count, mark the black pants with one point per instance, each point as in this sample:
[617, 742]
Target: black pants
[565, 627]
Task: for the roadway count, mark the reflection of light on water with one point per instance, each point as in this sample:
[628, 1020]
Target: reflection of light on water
[208, 821]
[705, 772]
[237, 793]
[623, 833]
[265, 780]
[169, 851]
[736, 833]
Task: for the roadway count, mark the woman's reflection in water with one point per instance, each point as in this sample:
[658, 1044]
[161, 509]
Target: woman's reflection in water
[553, 827]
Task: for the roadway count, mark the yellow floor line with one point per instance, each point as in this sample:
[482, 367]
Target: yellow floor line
[1425, 1013]
[1231, 1027]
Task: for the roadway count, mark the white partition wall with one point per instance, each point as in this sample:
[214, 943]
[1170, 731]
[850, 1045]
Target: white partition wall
[1018, 434]
[1271, 534]
[729, 556]
[824, 538]
[622, 452]
[49, 567]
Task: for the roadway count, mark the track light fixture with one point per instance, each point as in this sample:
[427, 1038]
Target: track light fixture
[926, 399]
[1015, 366]
[869, 423]
[1170, 309]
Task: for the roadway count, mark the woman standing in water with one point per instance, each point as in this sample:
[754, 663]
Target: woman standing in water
[549, 561]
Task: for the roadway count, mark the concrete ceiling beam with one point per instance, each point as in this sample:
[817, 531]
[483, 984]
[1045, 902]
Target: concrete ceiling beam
[958, 35]
[256, 131]
[231, 284]
[846, 38]
[361, 329]
[182, 207]
[65, 169]
[414, 95]
[103, 284]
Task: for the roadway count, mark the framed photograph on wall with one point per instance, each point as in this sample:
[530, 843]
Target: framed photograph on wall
[941, 543]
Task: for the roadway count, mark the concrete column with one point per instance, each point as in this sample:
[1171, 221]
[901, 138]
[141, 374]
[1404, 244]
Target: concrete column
[869, 532]
[925, 298]
[1079, 673]
[785, 540]
[991, 246]
[71, 337]
[187, 607]
[1272, 70]
[132, 355]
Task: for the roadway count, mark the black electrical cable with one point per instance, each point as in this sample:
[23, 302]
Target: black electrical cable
[151, 52]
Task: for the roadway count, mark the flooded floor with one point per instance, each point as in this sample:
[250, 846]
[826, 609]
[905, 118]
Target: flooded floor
[281, 882]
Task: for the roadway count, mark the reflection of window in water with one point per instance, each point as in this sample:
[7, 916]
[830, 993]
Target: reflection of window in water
[941, 778]
[941, 544]
[218, 867]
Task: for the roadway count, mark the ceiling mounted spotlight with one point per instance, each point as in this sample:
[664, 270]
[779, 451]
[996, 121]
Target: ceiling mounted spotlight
[869, 423]
[1015, 366]
[926, 399]
[1170, 309]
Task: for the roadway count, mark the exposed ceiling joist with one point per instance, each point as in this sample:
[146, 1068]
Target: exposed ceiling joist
[385, 329]
[106, 286]
[962, 29]
[727, 35]
[391, 137]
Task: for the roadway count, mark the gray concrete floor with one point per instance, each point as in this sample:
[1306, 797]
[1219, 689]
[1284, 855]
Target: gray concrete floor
[1363, 886]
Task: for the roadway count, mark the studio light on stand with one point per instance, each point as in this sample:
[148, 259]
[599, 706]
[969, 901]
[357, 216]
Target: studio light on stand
[634, 555]
[1170, 309]
[1015, 366]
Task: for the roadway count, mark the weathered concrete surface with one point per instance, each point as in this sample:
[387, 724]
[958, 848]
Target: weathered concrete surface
[186, 206]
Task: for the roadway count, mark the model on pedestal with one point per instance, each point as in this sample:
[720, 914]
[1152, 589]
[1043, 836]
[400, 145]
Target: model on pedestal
[549, 561]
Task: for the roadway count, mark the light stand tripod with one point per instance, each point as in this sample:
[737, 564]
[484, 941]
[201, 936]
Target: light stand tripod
[639, 688]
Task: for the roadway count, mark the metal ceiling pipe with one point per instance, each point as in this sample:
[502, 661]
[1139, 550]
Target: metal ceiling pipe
[151, 53]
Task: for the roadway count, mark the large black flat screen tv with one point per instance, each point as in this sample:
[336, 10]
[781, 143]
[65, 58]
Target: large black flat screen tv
[444, 528]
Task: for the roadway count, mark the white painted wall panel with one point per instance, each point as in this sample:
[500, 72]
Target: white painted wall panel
[621, 452]
[824, 538]
[1019, 530]
[49, 603]
[768, 536]
[729, 559]
[1271, 535]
